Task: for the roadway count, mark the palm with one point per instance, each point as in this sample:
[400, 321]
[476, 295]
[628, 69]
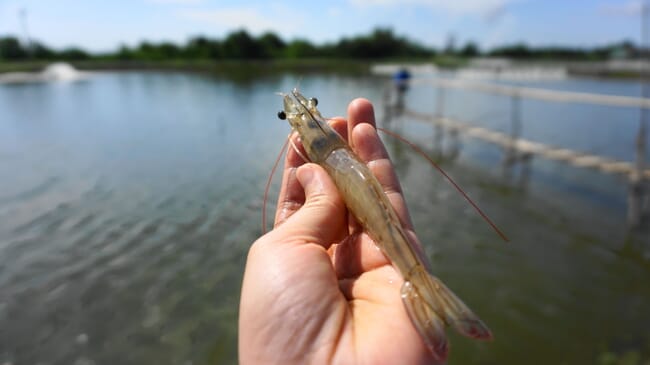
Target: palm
[332, 317]
[378, 324]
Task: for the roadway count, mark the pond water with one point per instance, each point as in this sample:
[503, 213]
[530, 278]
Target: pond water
[129, 200]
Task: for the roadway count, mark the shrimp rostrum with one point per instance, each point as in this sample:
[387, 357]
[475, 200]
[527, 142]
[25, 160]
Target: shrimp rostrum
[430, 305]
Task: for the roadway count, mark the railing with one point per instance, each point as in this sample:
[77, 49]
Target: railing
[521, 151]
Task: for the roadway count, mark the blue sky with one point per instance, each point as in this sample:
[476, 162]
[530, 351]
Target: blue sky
[103, 25]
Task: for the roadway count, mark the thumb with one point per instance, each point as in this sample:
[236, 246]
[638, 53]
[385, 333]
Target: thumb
[322, 218]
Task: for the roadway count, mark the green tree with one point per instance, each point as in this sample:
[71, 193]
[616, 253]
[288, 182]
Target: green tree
[41, 51]
[124, 53]
[147, 51]
[381, 43]
[11, 49]
[241, 45]
[300, 48]
[519, 50]
[168, 50]
[272, 45]
[202, 48]
[73, 54]
[470, 50]
[157, 52]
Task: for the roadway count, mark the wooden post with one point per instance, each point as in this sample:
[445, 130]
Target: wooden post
[439, 114]
[524, 174]
[511, 155]
[400, 91]
[641, 138]
[388, 108]
[638, 213]
[639, 192]
[454, 143]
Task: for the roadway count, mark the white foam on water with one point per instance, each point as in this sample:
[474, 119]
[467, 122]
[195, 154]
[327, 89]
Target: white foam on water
[61, 72]
[56, 72]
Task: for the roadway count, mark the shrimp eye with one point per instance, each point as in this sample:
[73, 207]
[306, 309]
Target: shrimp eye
[314, 101]
[282, 115]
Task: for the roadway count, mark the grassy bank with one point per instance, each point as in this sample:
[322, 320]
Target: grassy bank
[254, 68]
[227, 67]
[311, 65]
[28, 66]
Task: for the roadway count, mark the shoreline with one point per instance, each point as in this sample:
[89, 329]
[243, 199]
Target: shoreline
[250, 68]
[229, 67]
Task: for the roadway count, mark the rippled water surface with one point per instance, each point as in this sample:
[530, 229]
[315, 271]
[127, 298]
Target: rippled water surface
[128, 202]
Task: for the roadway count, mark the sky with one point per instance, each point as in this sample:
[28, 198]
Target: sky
[98, 25]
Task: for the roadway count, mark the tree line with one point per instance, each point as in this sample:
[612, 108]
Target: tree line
[381, 43]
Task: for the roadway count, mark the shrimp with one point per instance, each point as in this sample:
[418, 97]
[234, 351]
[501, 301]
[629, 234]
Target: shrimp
[430, 305]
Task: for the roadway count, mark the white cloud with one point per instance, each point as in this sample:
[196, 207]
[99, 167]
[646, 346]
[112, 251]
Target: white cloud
[630, 8]
[482, 7]
[250, 18]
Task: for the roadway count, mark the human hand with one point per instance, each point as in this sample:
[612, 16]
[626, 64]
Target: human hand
[318, 290]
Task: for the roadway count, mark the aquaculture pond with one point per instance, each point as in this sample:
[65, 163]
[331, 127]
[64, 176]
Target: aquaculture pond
[128, 202]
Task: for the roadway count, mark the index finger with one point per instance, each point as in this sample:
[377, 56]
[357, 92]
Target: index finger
[360, 111]
[366, 143]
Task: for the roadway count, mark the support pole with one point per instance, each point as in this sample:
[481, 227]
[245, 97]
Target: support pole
[388, 107]
[511, 155]
[641, 139]
[639, 190]
[438, 131]
[524, 174]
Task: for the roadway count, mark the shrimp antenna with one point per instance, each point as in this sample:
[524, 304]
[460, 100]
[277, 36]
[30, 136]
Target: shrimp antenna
[295, 148]
[268, 182]
[456, 186]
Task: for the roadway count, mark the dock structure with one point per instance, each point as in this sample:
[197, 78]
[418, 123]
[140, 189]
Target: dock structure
[520, 151]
